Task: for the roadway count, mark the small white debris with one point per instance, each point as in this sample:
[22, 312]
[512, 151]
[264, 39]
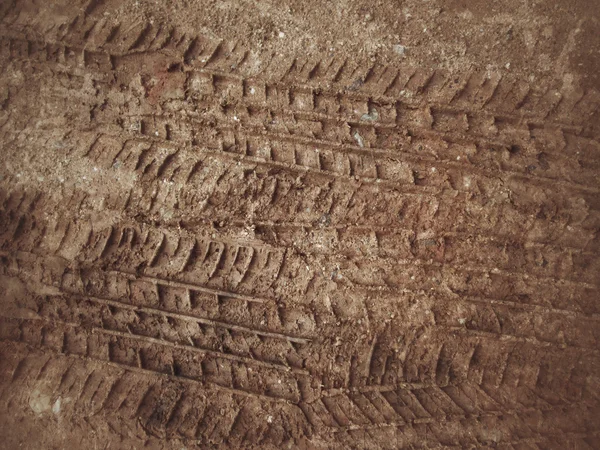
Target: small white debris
[39, 402]
[462, 320]
[56, 406]
[236, 118]
[433, 169]
[252, 91]
[281, 35]
[156, 133]
[95, 169]
[358, 138]
[507, 66]
[458, 158]
[399, 49]
[372, 116]
[269, 419]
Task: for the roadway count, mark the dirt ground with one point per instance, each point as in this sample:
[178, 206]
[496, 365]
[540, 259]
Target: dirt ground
[299, 224]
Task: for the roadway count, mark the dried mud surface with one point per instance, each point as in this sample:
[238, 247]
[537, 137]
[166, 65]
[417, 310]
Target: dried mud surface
[304, 224]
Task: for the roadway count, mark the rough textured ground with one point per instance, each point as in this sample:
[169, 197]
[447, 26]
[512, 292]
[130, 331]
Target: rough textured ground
[299, 224]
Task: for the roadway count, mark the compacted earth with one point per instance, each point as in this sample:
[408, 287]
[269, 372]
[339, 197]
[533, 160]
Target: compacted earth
[299, 224]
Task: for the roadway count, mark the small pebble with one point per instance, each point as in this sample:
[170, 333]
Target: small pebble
[399, 49]
[359, 140]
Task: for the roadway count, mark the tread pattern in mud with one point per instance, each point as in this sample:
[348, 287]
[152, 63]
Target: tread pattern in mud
[360, 254]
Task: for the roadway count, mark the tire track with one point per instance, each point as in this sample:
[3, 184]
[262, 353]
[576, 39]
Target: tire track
[287, 118]
[294, 249]
[497, 92]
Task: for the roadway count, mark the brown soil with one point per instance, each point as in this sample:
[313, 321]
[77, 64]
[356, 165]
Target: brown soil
[299, 224]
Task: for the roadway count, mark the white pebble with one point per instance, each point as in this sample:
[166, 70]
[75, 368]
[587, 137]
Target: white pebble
[56, 406]
[399, 49]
